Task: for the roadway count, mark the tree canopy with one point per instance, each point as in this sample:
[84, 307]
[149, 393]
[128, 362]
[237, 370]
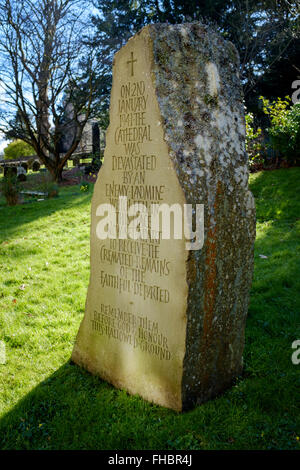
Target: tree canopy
[56, 58]
[17, 148]
[265, 32]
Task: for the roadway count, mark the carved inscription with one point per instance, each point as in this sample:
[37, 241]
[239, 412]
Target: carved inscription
[132, 261]
[136, 330]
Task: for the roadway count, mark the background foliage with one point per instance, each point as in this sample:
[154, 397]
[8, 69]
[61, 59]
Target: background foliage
[18, 148]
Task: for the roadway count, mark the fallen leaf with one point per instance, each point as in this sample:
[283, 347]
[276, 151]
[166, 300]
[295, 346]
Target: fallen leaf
[14, 301]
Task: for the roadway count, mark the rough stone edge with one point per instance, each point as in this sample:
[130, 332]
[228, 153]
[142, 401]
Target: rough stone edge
[192, 391]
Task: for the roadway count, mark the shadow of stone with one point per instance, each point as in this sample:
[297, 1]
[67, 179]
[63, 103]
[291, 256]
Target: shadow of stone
[56, 410]
[73, 409]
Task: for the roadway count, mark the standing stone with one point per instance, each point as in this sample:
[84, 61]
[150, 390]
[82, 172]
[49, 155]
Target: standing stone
[162, 321]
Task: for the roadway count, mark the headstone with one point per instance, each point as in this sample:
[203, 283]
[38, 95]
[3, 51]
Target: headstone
[163, 321]
[102, 141]
[21, 173]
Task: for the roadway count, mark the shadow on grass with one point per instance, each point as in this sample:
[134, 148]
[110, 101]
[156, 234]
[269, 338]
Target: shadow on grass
[74, 410]
[13, 218]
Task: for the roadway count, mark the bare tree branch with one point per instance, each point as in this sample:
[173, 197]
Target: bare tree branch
[44, 68]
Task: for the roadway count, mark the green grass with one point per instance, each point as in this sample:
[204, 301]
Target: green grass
[48, 403]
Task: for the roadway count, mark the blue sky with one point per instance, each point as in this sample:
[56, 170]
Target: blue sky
[3, 144]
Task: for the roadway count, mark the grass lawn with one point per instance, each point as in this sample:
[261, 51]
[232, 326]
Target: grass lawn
[48, 403]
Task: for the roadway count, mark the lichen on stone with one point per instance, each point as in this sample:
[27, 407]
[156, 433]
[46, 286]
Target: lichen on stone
[205, 130]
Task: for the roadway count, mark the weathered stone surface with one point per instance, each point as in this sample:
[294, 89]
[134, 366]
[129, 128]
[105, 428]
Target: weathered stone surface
[182, 343]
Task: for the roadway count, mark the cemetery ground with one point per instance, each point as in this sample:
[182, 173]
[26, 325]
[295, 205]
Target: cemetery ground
[46, 402]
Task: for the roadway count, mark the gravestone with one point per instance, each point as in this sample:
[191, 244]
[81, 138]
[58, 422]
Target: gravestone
[163, 321]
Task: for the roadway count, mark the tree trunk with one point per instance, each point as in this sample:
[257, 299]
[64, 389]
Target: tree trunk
[56, 173]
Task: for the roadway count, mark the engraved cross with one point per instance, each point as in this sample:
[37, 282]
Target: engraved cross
[131, 62]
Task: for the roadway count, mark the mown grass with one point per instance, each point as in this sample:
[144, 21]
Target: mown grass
[48, 403]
